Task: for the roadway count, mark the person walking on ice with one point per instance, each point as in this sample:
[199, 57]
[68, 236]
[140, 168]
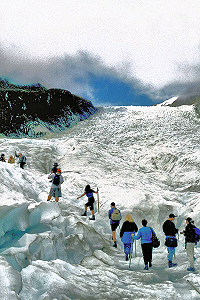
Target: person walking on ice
[170, 231]
[190, 241]
[55, 190]
[128, 228]
[115, 217]
[145, 234]
[89, 193]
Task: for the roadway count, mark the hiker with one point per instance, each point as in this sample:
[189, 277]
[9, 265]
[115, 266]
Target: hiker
[89, 193]
[145, 234]
[11, 160]
[115, 217]
[55, 168]
[128, 228]
[22, 159]
[57, 180]
[2, 158]
[190, 241]
[171, 242]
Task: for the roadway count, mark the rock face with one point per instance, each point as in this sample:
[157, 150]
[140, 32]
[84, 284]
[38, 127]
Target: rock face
[34, 110]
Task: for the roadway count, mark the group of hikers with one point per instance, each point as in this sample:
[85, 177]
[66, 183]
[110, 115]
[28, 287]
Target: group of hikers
[147, 234]
[11, 160]
[129, 228]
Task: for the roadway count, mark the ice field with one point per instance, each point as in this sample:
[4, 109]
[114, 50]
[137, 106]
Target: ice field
[146, 160]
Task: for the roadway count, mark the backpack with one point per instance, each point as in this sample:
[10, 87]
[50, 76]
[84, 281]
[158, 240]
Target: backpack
[197, 234]
[56, 179]
[24, 159]
[116, 216]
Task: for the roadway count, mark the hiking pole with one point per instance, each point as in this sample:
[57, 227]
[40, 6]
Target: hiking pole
[193, 286]
[98, 199]
[131, 252]
[135, 249]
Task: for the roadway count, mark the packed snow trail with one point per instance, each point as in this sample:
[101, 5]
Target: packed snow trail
[146, 159]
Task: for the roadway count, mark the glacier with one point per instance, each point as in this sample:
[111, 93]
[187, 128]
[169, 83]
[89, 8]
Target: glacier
[146, 160]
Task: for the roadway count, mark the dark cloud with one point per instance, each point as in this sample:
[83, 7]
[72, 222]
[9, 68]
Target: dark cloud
[74, 73]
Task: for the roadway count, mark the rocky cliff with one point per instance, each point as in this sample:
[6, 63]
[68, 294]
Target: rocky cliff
[34, 110]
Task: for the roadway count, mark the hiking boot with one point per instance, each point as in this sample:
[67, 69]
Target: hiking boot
[191, 269]
[115, 245]
[126, 256]
[85, 214]
[92, 218]
[171, 264]
[146, 267]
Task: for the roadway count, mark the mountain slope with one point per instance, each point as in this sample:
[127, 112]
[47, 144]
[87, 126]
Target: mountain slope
[34, 110]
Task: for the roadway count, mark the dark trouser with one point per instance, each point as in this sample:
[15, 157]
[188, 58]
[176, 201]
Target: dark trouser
[127, 248]
[22, 164]
[147, 252]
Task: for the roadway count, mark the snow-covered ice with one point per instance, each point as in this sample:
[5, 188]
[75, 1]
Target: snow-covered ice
[147, 160]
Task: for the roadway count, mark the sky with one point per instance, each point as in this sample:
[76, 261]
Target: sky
[116, 52]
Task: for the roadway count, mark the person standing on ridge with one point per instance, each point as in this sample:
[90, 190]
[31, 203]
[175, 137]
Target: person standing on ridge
[22, 159]
[128, 228]
[89, 193]
[115, 217]
[55, 190]
[190, 241]
[2, 158]
[145, 234]
[170, 231]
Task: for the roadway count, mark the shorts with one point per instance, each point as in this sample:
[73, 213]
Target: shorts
[114, 226]
[90, 203]
[55, 192]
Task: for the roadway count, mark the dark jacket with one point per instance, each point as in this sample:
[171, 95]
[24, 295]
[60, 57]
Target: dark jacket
[128, 226]
[189, 233]
[169, 228]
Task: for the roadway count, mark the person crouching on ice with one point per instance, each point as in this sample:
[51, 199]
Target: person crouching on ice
[89, 193]
[57, 180]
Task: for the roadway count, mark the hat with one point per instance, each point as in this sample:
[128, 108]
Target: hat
[55, 164]
[59, 170]
[172, 216]
[189, 220]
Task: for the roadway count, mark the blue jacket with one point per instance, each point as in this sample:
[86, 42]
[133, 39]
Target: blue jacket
[127, 237]
[110, 213]
[145, 234]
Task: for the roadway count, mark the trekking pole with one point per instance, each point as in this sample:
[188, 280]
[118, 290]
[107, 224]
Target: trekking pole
[98, 199]
[135, 249]
[193, 286]
[131, 252]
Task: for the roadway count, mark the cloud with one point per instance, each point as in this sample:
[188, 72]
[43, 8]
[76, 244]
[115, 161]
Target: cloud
[85, 74]
[154, 37]
[69, 72]
[149, 44]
